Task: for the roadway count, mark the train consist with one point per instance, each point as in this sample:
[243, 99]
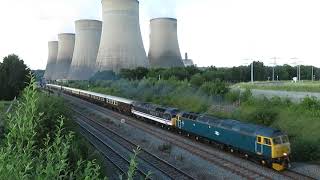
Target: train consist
[269, 146]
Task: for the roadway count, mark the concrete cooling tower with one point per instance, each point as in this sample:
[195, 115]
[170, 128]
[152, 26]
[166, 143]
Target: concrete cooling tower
[52, 59]
[164, 49]
[88, 34]
[121, 43]
[65, 53]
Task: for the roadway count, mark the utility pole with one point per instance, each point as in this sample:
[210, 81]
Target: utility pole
[252, 67]
[312, 74]
[298, 68]
[252, 73]
[273, 68]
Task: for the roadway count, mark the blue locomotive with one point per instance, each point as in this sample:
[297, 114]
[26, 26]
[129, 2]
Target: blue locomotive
[268, 145]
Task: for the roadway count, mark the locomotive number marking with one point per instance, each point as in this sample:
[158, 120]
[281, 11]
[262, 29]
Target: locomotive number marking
[217, 133]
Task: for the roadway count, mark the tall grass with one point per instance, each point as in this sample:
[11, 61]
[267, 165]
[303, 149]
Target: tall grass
[22, 158]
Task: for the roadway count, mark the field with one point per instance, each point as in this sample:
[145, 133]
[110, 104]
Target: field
[305, 86]
[299, 120]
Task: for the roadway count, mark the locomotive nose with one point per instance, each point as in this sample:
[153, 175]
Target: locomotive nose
[282, 150]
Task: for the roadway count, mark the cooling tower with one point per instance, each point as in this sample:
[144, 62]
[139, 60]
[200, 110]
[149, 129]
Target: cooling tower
[121, 43]
[65, 53]
[164, 49]
[88, 34]
[52, 59]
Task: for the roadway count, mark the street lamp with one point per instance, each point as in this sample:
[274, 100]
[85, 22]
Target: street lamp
[252, 68]
[298, 67]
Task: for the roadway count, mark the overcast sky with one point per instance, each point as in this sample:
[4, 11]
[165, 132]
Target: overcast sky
[213, 32]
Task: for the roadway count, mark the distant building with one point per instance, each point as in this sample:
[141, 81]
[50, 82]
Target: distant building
[187, 62]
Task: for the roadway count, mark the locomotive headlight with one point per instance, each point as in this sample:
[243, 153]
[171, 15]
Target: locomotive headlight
[285, 154]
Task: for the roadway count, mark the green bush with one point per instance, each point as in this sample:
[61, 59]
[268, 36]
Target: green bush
[22, 158]
[214, 88]
[263, 116]
[197, 80]
[311, 103]
[52, 108]
[232, 96]
[305, 150]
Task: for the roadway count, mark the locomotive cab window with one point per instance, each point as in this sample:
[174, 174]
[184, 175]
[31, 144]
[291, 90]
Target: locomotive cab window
[285, 139]
[267, 141]
[277, 140]
[259, 139]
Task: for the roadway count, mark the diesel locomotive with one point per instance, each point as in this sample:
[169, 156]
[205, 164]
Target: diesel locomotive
[269, 146]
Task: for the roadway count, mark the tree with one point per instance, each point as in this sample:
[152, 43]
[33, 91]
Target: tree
[13, 77]
[104, 75]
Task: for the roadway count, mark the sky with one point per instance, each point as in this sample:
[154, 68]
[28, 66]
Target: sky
[222, 33]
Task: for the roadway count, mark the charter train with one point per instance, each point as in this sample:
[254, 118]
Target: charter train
[267, 145]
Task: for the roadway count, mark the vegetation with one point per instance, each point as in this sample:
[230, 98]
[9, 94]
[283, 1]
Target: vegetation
[306, 86]
[13, 77]
[24, 155]
[233, 75]
[165, 92]
[104, 75]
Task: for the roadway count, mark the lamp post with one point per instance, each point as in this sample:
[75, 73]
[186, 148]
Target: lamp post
[312, 74]
[252, 72]
[298, 68]
[273, 67]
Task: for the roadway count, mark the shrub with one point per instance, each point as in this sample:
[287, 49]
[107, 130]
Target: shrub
[264, 116]
[305, 150]
[311, 103]
[214, 88]
[232, 96]
[197, 80]
[21, 158]
[246, 95]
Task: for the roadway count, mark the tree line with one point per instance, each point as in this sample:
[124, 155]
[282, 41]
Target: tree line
[233, 75]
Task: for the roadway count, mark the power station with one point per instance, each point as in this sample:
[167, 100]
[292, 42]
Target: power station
[121, 43]
[114, 44]
[65, 53]
[88, 34]
[164, 49]
[52, 59]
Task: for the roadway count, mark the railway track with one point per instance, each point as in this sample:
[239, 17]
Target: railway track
[296, 175]
[161, 165]
[118, 160]
[215, 158]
